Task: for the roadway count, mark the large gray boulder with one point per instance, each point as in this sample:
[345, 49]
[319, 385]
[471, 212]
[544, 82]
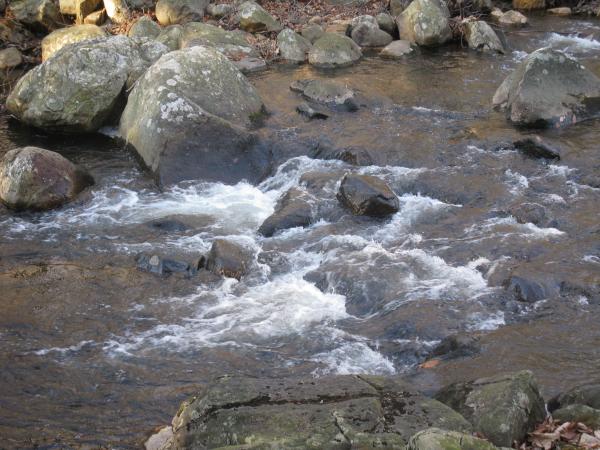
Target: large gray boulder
[40, 15]
[80, 86]
[254, 18]
[36, 179]
[436, 439]
[503, 408]
[65, 36]
[425, 22]
[187, 118]
[549, 89]
[334, 50]
[171, 12]
[480, 36]
[293, 47]
[366, 32]
[332, 412]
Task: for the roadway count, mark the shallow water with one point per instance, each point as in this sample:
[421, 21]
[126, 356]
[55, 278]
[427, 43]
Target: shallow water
[95, 352]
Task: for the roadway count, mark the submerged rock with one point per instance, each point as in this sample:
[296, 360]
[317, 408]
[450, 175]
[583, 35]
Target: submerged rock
[294, 209]
[187, 117]
[549, 89]
[503, 408]
[562, 11]
[334, 50]
[329, 412]
[172, 12]
[37, 179]
[480, 36]
[326, 92]
[80, 86]
[40, 15]
[254, 18]
[65, 36]
[228, 259]
[292, 46]
[366, 195]
[436, 439]
[396, 50]
[536, 147]
[425, 22]
[144, 27]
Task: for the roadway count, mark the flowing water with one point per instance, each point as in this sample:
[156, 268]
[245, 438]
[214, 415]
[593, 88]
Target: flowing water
[97, 353]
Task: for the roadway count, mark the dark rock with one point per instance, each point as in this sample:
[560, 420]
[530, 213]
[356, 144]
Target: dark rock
[529, 213]
[326, 92]
[293, 210]
[228, 259]
[37, 179]
[306, 110]
[588, 394]
[329, 412]
[457, 345]
[537, 148]
[317, 181]
[578, 414]
[502, 408]
[168, 225]
[527, 290]
[367, 195]
[163, 266]
[355, 156]
[365, 32]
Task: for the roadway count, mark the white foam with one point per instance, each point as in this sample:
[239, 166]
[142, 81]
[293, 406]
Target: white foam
[353, 357]
[486, 322]
[573, 43]
[63, 350]
[517, 182]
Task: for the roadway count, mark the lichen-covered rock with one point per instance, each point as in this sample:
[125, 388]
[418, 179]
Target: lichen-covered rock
[503, 408]
[10, 58]
[41, 15]
[436, 439]
[294, 209]
[292, 46]
[396, 50]
[171, 37]
[334, 50]
[329, 412]
[117, 10]
[233, 44]
[144, 27]
[366, 195]
[528, 5]
[549, 89]
[312, 32]
[187, 117]
[219, 11]
[37, 179]
[79, 87]
[171, 12]
[366, 32]
[228, 259]
[425, 22]
[578, 414]
[326, 92]
[480, 36]
[254, 18]
[65, 36]
[587, 394]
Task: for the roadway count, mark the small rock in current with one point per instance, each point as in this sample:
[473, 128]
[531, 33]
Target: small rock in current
[306, 110]
[537, 148]
[366, 195]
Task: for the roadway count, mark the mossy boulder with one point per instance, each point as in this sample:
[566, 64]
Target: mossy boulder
[334, 50]
[188, 119]
[425, 23]
[65, 36]
[503, 408]
[172, 12]
[254, 18]
[144, 27]
[436, 439]
[579, 414]
[293, 47]
[80, 86]
[37, 179]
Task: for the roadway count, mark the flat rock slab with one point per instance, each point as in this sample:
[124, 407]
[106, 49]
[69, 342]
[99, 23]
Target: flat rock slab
[331, 412]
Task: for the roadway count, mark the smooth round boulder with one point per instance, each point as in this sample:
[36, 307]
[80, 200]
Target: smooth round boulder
[254, 18]
[144, 27]
[366, 195]
[326, 92]
[65, 36]
[78, 88]
[36, 179]
[188, 119]
[425, 23]
[171, 12]
[293, 47]
[334, 50]
[312, 32]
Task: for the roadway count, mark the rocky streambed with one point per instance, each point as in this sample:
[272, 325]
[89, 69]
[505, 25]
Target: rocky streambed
[379, 219]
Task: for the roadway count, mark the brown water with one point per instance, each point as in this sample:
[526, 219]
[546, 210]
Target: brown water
[97, 353]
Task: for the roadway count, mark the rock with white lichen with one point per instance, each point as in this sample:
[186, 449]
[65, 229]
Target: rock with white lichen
[334, 50]
[292, 46]
[425, 22]
[65, 36]
[254, 18]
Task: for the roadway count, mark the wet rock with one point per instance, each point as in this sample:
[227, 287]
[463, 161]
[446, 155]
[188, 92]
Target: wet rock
[587, 394]
[228, 259]
[144, 27]
[502, 408]
[37, 179]
[396, 7]
[325, 92]
[79, 8]
[457, 346]
[312, 32]
[168, 225]
[578, 414]
[367, 195]
[396, 50]
[171, 12]
[329, 412]
[436, 439]
[562, 11]
[549, 89]
[65, 36]
[528, 5]
[294, 209]
[317, 181]
[509, 18]
[80, 86]
[529, 213]
[10, 58]
[118, 11]
[171, 37]
[480, 36]
[366, 33]
[163, 266]
[253, 18]
[187, 118]
[306, 110]
[292, 46]
[386, 23]
[536, 147]
[219, 11]
[40, 15]
[96, 18]
[357, 156]
[425, 22]
[334, 50]
[527, 290]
